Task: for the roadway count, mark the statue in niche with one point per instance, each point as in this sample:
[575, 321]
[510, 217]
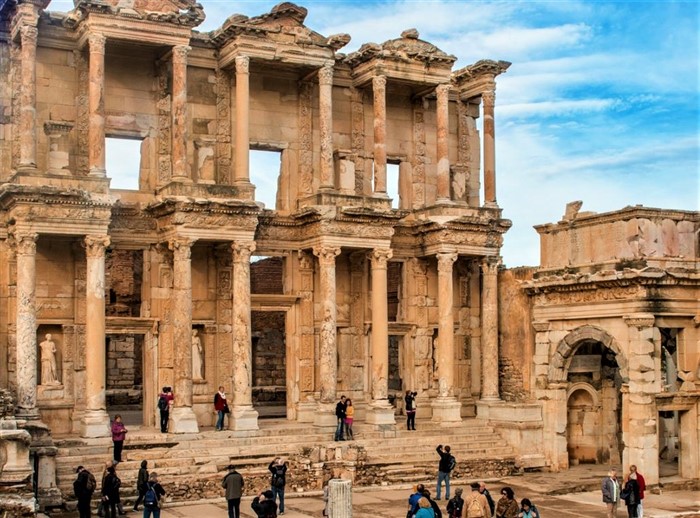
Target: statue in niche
[197, 357]
[49, 375]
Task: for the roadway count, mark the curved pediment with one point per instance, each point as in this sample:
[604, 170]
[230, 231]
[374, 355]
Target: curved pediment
[409, 47]
[179, 12]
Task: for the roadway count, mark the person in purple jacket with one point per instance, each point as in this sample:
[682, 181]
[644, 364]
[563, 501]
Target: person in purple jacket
[118, 435]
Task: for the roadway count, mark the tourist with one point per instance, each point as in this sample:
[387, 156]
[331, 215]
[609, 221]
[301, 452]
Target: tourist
[413, 500]
[152, 498]
[233, 483]
[264, 505]
[141, 483]
[611, 493]
[507, 506]
[221, 407]
[527, 509]
[446, 465]
[410, 400]
[340, 415]
[101, 508]
[433, 504]
[485, 492]
[642, 488]
[84, 487]
[425, 510]
[165, 401]
[630, 494]
[278, 468]
[456, 504]
[118, 435]
[349, 415]
[476, 505]
[110, 493]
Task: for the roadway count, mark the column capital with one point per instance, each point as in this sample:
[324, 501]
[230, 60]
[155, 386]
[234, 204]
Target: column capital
[443, 89]
[97, 42]
[489, 265]
[489, 98]
[639, 320]
[28, 35]
[180, 53]
[445, 261]
[181, 247]
[242, 251]
[380, 257]
[95, 245]
[378, 82]
[326, 254]
[325, 74]
[26, 242]
[242, 64]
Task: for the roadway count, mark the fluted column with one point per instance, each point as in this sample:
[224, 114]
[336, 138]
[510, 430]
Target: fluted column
[328, 347]
[179, 114]
[379, 93]
[27, 130]
[243, 415]
[182, 416]
[443, 160]
[325, 94]
[242, 173]
[489, 330]
[96, 107]
[26, 325]
[489, 101]
[380, 411]
[95, 422]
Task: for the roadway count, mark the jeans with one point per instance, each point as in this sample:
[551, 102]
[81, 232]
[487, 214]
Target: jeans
[279, 491]
[411, 420]
[220, 420]
[339, 430]
[234, 508]
[446, 477]
[154, 510]
[164, 417]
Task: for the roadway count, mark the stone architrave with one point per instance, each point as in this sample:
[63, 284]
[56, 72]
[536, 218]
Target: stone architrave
[443, 160]
[489, 330]
[489, 100]
[179, 114]
[380, 412]
[328, 347]
[379, 92]
[325, 95]
[243, 415]
[241, 172]
[27, 128]
[95, 421]
[446, 408]
[96, 106]
[26, 325]
[182, 416]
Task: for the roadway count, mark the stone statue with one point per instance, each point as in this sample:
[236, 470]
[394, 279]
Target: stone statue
[49, 375]
[197, 357]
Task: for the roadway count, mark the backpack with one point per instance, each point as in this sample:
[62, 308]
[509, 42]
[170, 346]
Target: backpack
[454, 507]
[474, 509]
[91, 483]
[277, 481]
[162, 403]
[453, 463]
[150, 499]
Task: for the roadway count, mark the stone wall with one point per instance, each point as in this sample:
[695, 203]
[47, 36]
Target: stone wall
[267, 276]
[124, 369]
[269, 356]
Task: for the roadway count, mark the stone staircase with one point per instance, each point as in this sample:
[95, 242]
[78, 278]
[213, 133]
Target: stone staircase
[191, 466]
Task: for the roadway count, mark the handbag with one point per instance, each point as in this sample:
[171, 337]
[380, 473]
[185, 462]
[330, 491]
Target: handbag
[226, 409]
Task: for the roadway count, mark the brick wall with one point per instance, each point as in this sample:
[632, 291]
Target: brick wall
[269, 365]
[266, 276]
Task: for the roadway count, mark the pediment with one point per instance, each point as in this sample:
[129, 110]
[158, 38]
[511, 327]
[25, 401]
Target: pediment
[179, 12]
[409, 47]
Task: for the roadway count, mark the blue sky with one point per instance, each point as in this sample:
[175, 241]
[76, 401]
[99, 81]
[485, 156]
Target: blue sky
[601, 103]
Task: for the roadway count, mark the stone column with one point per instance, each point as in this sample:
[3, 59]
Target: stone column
[489, 330]
[379, 91]
[443, 127]
[26, 326]
[380, 412]
[328, 347]
[242, 173]
[182, 417]
[243, 415]
[339, 504]
[27, 123]
[446, 408]
[489, 100]
[325, 94]
[639, 428]
[96, 106]
[95, 422]
[179, 114]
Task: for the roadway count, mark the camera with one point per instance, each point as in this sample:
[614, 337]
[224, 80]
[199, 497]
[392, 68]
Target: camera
[414, 394]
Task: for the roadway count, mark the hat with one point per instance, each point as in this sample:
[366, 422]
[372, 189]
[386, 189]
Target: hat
[77, 470]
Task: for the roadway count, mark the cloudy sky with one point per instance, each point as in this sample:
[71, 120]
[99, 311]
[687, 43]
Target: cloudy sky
[601, 103]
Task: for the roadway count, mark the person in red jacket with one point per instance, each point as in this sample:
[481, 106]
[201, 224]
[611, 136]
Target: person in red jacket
[221, 407]
[118, 436]
[642, 487]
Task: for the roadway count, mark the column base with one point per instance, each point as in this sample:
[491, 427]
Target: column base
[95, 423]
[306, 411]
[183, 420]
[447, 411]
[380, 414]
[325, 416]
[243, 418]
[97, 172]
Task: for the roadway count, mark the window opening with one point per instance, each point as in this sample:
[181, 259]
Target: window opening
[123, 162]
[265, 168]
[392, 184]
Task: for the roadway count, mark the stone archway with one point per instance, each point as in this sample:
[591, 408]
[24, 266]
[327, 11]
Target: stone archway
[561, 359]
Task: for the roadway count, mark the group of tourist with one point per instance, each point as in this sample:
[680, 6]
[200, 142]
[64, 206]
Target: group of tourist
[631, 492]
[265, 503]
[345, 414]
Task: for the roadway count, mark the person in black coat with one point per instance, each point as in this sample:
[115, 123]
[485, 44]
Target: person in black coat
[141, 483]
[264, 505]
[83, 491]
[110, 493]
[630, 494]
[340, 415]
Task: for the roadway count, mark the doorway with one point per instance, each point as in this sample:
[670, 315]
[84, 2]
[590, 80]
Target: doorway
[124, 389]
[269, 363]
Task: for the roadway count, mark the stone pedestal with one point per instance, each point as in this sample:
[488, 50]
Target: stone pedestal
[183, 420]
[325, 416]
[95, 423]
[380, 415]
[447, 411]
[339, 504]
[243, 418]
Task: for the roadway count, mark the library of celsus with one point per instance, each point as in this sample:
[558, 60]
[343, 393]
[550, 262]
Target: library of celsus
[188, 280]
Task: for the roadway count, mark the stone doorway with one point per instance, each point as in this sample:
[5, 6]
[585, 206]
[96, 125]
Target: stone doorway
[269, 363]
[124, 376]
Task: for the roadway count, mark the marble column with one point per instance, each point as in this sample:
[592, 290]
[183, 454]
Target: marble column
[446, 408]
[328, 347]
[26, 326]
[489, 100]
[443, 128]
[179, 114]
[242, 172]
[96, 106]
[27, 122]
[380, 412]
[182, 417]
[489, 330]
[95, 421]
[325, 94]
[339, 504]
[379, 93]
[243, 415]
